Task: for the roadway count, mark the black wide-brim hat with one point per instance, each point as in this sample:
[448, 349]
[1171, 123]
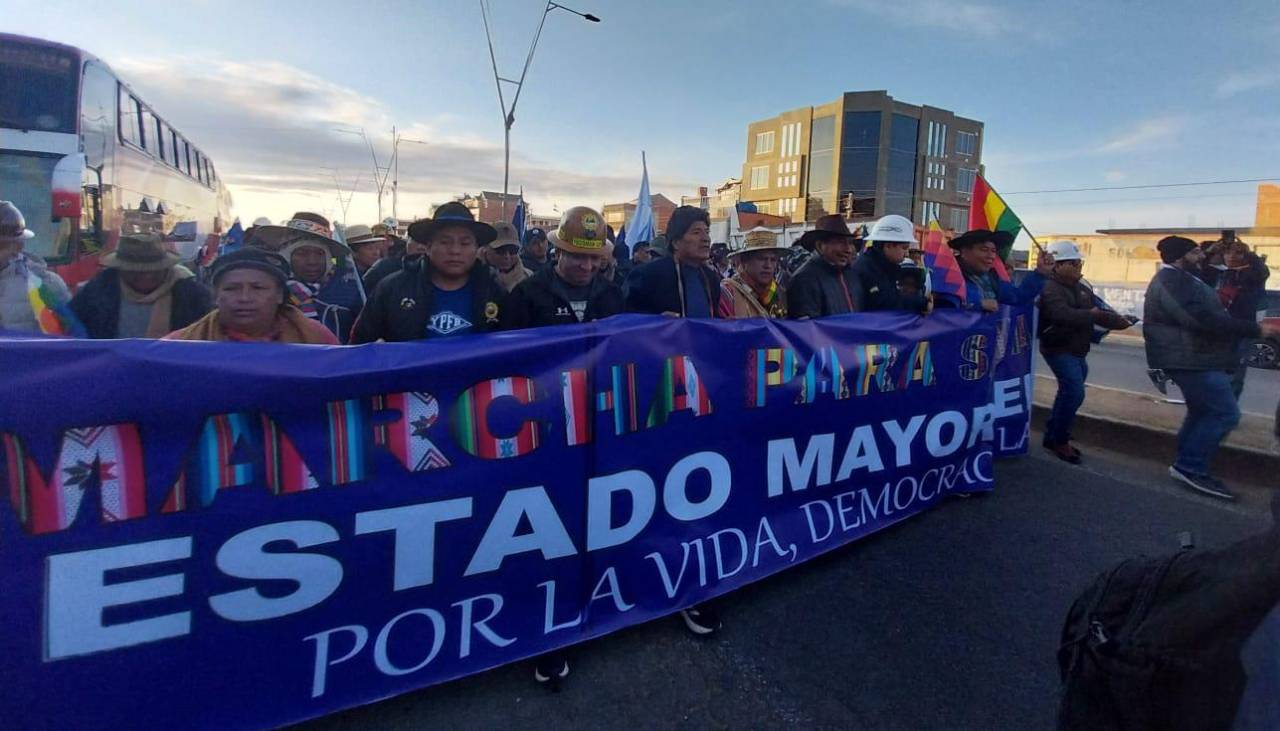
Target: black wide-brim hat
[451, 214]
[1002, 239]
[830, 226]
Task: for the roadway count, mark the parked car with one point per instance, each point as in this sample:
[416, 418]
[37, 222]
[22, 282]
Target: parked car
[1266, 351]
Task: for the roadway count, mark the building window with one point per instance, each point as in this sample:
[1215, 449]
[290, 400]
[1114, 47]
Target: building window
[900, 184]
[822, 142]
[760, 177]
[929, 211]
[860, 154]
[935, 178]
[959, 219]
[764, 143]
[967, 143]
[965, 178]
[937, 139]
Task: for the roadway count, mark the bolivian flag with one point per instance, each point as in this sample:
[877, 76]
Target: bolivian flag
[988, 210]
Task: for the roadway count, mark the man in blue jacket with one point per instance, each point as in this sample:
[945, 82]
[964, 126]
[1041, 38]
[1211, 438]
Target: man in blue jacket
[1191, 337]
[977, 252]
[681, 285]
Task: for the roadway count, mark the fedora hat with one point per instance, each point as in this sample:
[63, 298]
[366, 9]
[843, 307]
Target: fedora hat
[1002, 239]
[759, 239]
[141, 253]
[451, 214]
[829, 226]
[304, 226]
[361, 234]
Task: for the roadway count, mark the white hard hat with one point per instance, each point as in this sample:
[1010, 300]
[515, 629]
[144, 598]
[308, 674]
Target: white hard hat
[893, 229]
[262, 221]
[1065, 250]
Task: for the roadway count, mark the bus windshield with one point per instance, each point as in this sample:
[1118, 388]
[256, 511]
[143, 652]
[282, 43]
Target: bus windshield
[38, 87]
[25, 180]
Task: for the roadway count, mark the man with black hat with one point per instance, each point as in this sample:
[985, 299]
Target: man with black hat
[826, 284]
[534, 249]
[1194, 340]
[682, 285]
[503, 256]
[977, 252]
[142, 292]
[574, 290]
[452, 293]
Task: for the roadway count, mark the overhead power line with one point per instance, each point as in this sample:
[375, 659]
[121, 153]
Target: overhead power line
[1141, 187]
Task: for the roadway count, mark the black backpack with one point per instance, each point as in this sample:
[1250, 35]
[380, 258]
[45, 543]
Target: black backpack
[1155, 643]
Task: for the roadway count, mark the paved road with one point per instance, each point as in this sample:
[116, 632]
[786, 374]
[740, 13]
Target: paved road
[948, 621]
[1122, 363]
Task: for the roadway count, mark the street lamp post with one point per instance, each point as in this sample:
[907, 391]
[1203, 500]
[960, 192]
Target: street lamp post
[397, 138]
[509, 113]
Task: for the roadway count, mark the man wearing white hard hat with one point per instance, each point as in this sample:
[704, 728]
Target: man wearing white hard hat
[880, 267]
[1068, 314]
[753, 290]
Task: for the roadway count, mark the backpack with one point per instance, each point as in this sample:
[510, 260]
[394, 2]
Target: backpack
[1155, 643]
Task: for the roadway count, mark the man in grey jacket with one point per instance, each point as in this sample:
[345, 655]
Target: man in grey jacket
[1191, 337]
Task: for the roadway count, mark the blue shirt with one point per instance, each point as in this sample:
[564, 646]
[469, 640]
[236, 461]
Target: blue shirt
[696, 302]
[451, 312]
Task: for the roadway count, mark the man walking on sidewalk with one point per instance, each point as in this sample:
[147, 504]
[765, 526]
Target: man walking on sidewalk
[1067, 318]
[1190, 336]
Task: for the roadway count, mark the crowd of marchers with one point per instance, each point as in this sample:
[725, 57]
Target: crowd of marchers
[453, 276]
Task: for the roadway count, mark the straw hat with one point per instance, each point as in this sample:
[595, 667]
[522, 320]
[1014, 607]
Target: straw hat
[759, 239]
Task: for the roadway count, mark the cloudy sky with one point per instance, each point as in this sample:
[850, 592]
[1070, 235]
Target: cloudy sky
[1094, 93]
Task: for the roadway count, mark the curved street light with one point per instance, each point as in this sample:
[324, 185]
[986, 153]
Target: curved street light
[509, 113]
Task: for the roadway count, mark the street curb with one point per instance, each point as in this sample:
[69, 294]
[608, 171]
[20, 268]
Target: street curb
[1233, 463]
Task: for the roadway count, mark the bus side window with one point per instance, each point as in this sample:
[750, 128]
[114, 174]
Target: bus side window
[97, 113]
[130, 119]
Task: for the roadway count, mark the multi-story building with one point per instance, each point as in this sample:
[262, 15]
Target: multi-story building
[717, 204]
[865, 155]
[617, 214]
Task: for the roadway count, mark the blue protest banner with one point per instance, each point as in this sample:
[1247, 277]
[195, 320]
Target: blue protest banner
[225, 535]
[1014, 380]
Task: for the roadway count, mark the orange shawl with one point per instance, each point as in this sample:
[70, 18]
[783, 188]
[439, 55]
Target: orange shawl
[291, 327]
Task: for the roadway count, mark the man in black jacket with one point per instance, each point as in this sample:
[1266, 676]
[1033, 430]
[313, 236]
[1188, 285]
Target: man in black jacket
[574, 290]
[1191, 337]
[451, 293]
[1068, 315]
[656, 287]
[879, 268]
[826, 284]
[142, 293]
